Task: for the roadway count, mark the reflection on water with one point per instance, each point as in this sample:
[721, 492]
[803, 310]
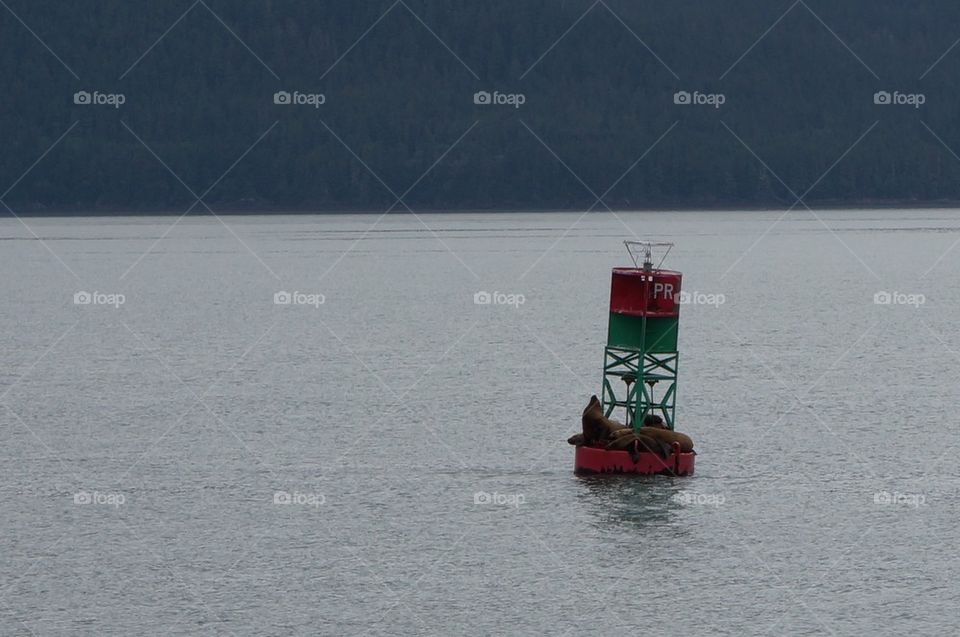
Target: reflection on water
[622, 502]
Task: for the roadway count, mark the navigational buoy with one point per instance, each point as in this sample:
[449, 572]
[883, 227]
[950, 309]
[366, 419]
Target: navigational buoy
[640, 364]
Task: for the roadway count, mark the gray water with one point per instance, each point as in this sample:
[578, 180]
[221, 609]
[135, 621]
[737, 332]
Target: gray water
[144, 443]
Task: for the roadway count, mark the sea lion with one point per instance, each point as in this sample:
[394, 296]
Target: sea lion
[576, 440]
[653, 445]
[635, 444]
[668, 437]
[596, 426]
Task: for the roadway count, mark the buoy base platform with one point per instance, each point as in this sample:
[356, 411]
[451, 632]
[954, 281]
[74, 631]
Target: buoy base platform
[593, 460]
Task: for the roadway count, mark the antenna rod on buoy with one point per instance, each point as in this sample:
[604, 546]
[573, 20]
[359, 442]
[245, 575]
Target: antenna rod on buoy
[647, 247]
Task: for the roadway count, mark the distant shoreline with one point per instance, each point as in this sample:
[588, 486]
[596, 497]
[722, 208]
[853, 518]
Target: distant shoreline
[239, 210]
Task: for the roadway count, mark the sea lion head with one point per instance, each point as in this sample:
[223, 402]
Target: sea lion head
[653, 420]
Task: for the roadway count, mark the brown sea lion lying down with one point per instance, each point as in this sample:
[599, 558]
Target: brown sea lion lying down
[635, 444]
[669, 437]
[654, 426]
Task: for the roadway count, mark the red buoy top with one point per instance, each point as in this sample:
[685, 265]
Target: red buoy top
[640, 292]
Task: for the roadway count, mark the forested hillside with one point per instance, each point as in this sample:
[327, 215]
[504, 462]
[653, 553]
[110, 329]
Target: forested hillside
[590, 90]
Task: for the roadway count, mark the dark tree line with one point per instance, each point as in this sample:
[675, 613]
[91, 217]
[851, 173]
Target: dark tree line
[398, 100]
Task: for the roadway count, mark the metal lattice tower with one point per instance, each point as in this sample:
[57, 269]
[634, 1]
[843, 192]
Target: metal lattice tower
[641, 357]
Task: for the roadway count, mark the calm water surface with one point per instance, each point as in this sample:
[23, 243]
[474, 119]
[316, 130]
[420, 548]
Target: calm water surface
[149, 446]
